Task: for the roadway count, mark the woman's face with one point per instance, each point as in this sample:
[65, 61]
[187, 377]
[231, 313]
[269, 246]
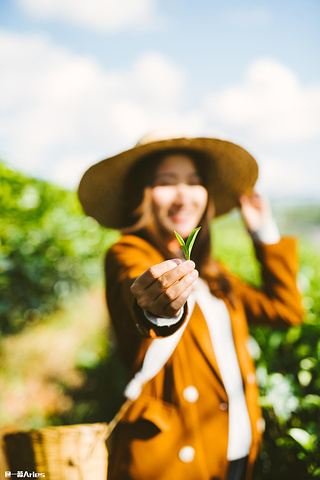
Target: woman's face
[179, 198]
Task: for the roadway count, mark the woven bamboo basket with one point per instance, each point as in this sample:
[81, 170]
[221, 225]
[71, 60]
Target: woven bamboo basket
[76, 452]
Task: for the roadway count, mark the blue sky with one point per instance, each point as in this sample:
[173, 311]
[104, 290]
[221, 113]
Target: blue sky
[84, 79]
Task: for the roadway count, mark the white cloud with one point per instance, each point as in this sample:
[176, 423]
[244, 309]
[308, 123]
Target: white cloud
[60, 112]
[58, 107]
[155, 74]
[270, 103]
[248, 16]
[282, 178]
[102, 15]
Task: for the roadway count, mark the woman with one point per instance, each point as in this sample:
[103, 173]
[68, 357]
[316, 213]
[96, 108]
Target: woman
[181, 327]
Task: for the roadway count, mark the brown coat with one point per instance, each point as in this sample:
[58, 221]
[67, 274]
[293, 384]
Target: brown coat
[161, 421]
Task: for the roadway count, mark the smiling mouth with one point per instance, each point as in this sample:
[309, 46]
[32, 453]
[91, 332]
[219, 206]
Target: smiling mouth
[180, 217]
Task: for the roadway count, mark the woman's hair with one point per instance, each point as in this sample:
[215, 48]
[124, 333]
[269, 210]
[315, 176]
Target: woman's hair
[138, 188]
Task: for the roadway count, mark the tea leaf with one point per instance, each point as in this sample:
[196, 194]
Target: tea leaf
[179, 238]
[183, 245]
[187, 247]
[191, 239]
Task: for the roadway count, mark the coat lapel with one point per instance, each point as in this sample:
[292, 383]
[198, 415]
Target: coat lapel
[198, 329]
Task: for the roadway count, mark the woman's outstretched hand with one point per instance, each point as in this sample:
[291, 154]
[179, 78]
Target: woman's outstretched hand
[164, 288]
[255, 210]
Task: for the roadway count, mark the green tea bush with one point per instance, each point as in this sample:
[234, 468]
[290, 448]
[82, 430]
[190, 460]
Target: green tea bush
[48, 249]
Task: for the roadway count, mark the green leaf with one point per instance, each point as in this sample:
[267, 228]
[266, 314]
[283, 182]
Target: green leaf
[183, 245]
[179, 238]
[187, 247]
[302, 437]
[191, 239]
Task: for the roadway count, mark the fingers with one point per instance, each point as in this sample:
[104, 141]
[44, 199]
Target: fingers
[164, 288]
[169, 302]
[255, 210]
[249, 198]
[254, 199]
[151, 275]
[170, 278]
[244, 201]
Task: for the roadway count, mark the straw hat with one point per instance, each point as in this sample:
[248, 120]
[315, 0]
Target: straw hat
[232, 172]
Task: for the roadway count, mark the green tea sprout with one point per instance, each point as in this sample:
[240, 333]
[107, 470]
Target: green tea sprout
[187, 247]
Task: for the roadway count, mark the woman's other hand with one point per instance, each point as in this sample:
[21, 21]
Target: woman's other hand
[255, 211]
[164, 288]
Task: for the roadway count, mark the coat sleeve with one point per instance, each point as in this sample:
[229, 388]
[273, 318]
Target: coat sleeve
[126, 260]
[278, 302]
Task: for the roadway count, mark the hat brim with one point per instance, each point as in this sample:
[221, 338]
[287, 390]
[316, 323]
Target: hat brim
[232, 172]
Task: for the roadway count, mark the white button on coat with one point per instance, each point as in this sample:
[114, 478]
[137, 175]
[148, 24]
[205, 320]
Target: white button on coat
[186, 454]
[251, 378]
[261, 425]
[191, 394]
